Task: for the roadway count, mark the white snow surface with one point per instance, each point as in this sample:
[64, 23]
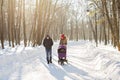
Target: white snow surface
[85, 62]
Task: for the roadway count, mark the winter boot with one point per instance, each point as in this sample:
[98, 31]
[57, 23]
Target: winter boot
[50, 59]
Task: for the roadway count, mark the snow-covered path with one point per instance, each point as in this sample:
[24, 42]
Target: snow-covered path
[85, 62]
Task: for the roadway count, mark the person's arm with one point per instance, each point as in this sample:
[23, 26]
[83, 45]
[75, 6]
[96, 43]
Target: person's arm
[60, 42]
[66, 41]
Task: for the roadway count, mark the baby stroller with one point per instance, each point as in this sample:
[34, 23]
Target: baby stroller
[62, 54]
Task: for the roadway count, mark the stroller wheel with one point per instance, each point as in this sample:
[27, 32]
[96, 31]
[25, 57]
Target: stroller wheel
[62, 63]
[66, 61]
[59, 62]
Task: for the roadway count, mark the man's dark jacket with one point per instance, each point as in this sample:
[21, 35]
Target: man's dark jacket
[48, 43]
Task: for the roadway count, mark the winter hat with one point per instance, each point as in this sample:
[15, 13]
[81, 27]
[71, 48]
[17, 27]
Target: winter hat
[47, 35]
[62, 36]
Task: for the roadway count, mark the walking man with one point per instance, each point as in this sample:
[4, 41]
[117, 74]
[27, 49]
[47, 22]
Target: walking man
[48, 43]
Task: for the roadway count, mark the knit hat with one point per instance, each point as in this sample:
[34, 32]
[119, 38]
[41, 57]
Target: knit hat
[62, 36]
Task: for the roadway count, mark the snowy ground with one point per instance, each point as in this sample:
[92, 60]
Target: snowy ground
[85, 62]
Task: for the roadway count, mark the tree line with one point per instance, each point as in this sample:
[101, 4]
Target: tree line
[104, 20]
[29, 21]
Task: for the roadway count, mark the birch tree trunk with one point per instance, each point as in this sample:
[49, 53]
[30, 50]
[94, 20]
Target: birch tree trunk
[1, 24]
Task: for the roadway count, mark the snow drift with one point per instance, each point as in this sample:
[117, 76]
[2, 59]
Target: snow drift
[85, 62]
